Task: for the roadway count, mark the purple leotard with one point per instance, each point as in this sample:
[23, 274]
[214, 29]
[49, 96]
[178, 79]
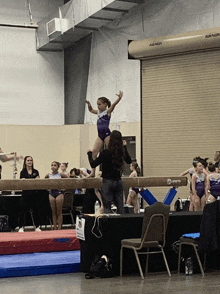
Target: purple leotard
[200, 189]
[103, 124]
[215, 186]
[55, 192]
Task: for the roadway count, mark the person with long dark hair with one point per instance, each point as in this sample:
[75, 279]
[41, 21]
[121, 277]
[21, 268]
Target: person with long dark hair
[112, 160]
[29, 197]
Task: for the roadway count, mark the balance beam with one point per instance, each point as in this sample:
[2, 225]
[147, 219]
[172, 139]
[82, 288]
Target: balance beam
[68, 184]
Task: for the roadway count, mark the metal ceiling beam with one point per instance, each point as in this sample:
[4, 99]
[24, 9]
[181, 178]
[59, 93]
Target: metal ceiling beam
[19, 26]
[132, 1]
[115, 10]
[101, 18]
[50, 49]
[86, 28]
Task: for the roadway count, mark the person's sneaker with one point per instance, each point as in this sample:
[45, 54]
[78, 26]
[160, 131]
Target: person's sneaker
[21, 230]
[38, 229]
[114, 208]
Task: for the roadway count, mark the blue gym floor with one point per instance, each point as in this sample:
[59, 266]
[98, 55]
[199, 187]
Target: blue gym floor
[33, 264]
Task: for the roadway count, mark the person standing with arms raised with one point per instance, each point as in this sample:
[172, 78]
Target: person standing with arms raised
[103, 112]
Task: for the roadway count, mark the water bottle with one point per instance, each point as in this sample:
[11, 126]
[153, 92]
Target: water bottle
[97, 206]
[189, 266]
[181, 204]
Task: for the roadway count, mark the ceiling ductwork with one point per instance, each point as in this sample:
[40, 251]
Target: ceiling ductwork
[76, 19]
[177, 44]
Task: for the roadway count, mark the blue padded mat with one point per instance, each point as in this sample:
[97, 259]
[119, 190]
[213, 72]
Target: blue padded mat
[192, 235]
[34, 264]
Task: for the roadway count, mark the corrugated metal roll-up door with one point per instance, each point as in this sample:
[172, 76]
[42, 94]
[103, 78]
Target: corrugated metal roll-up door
[180, 114]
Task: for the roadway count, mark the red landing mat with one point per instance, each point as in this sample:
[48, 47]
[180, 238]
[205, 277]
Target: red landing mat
[45, 241]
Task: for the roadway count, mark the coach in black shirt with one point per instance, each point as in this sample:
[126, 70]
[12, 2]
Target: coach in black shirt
[112, 160]
[29, 197]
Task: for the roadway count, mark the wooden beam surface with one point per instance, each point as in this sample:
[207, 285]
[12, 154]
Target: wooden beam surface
[67, 184]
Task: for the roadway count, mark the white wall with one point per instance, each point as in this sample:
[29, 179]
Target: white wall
[110, 68]
[44, 143]
[16, 11]
[32, 83]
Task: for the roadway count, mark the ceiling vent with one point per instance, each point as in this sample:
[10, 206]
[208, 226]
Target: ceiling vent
[77, 19]
[55, 27]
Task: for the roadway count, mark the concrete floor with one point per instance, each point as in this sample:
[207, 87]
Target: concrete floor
[154, 283]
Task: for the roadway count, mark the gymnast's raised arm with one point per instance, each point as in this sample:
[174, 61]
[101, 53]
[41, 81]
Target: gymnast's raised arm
[90, 108]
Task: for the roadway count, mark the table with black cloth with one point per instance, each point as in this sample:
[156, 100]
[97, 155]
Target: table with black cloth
[89, 201]
[78, 199]
[114, 228]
